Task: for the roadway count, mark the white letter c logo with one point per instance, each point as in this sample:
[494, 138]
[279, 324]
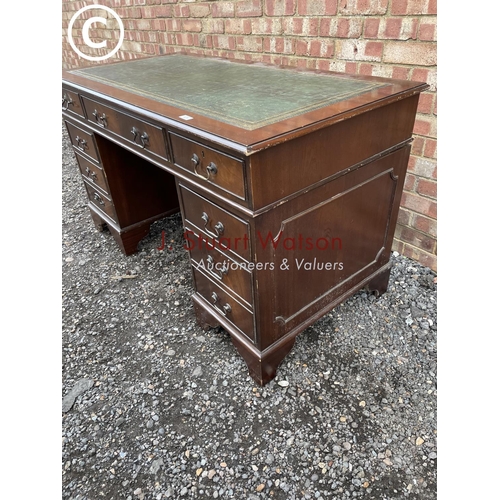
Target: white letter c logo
[85, 32]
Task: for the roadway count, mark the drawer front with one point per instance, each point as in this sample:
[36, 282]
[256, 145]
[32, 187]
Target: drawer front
[223, 270]
[209, 166]
[224, 229]
[82, 141]
[225, 305]
[92, 173]
[143, 135]
[101, 201]
[71, 103]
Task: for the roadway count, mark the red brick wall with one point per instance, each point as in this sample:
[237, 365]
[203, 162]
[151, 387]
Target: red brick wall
[391, 38]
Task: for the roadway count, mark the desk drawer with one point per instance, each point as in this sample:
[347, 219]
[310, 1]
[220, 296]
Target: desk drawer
[215, 224]
[209, 166]
[221, 268]
[143, 135]
[82, 141]
[71, 103]
[92, 173]
[224, 304]
[101, 201]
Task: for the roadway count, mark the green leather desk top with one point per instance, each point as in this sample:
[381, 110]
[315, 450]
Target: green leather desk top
[246, 106]
[248, 96]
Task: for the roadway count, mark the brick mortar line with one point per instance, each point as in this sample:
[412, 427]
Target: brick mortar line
[415, 230]
[418, 249]
[418, 194]
[399, 65]
[424, 196]
[412, 212]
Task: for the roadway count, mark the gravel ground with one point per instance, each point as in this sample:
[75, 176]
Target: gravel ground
[154, 407]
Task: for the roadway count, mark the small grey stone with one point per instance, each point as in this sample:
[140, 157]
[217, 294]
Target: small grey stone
[79, 388]
[416, 312]
[170, 352]
[197, 372]
[155, 466]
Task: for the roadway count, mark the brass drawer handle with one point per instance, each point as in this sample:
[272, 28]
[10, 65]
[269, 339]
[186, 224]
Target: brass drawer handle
[81, 143]
[144, 138]
[219, 227]
[98, 199]
[216, 272]
[67, 102]
[226, 308]
[91, 175]
[211, 168]
[101, 120]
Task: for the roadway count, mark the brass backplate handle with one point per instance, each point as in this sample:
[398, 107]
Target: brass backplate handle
[218, 228]
[101, 119]
[211, 168]
[226, 308]
[144, 137]
[66, 102]
[218, 273]
[81, 143]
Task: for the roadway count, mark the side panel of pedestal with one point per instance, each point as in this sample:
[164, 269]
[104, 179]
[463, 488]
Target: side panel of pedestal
[325, 245]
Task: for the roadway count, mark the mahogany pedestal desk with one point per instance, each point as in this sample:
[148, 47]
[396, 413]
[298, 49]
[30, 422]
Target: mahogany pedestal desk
[289, 182]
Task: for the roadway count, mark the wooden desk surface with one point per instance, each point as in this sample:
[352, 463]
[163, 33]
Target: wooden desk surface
[249, 104]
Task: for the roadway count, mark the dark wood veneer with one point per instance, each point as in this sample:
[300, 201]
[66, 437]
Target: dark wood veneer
[333, 175]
